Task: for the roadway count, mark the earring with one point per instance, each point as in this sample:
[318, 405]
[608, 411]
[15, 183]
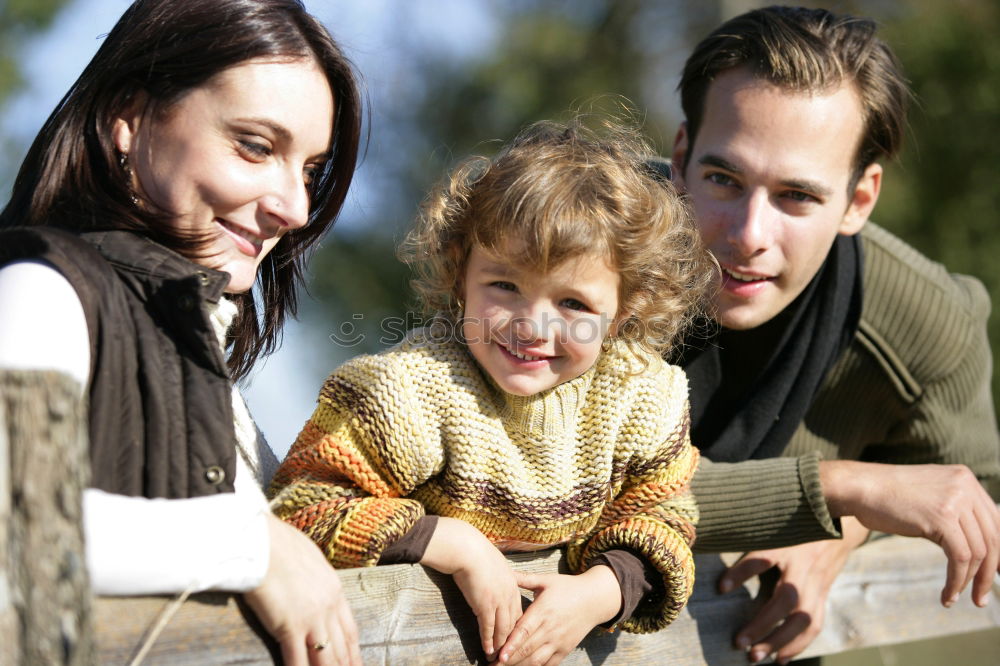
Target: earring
[127, 170]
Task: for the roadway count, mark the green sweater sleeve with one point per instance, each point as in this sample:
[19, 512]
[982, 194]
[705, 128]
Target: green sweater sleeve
[759, 504]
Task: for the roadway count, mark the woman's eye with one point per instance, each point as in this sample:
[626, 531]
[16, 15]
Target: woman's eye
[506, 286]
[255, 149]
[309, 174]
[573, 304]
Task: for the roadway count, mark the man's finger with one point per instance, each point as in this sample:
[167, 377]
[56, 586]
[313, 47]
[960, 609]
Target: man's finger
[781, 604]
[752, 564]
[983, 582]
[977, 546]
[794, 635]
[956, 549]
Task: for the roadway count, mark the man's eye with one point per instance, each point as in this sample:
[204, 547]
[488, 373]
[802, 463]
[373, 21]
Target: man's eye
[720, 179]
[803, 197]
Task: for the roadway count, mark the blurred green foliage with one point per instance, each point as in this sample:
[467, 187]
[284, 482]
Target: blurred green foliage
[942, 196]
[18, 20]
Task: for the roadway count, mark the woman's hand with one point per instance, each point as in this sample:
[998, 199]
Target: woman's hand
[564, 611]
[302, 604]
[482, 573]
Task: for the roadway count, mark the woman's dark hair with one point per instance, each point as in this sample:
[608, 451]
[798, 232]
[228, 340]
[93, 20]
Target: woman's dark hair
[162, 49]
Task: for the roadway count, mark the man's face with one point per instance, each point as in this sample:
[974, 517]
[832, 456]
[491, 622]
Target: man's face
[768, 177]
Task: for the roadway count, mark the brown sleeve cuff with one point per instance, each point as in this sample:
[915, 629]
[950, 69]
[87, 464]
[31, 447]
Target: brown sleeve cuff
[410, 548]
[635, 576]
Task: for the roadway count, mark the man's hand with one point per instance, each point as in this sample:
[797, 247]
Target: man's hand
[793, 615]
[483, 575]
[565, 609]
[942, 503]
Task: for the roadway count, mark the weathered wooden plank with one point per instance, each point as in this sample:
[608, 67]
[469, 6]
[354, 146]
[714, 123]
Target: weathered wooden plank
[887, 594]
[46, 600]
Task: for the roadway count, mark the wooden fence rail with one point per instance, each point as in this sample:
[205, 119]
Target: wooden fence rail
[888, 592]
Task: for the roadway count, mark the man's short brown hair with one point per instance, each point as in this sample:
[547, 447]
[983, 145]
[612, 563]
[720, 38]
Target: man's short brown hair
[807, 50]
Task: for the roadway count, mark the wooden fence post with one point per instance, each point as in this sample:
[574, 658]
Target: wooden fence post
[45, 601]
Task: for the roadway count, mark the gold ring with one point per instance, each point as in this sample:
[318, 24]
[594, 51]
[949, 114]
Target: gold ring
[321, 645]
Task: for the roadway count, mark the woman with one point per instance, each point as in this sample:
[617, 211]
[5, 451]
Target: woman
[206, 146]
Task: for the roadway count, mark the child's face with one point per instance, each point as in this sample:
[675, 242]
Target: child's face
[531, 332]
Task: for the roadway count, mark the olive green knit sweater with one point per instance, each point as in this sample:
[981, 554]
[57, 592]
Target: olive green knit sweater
[598, 463]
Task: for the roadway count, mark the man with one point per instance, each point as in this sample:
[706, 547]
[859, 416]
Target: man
[835, 337]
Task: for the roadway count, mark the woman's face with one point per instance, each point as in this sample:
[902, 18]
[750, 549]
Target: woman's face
[234, 158]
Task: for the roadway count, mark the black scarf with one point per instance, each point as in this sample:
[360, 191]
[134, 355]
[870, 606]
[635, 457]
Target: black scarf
[751, 389]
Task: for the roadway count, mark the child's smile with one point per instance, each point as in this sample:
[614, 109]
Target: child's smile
[531, 332]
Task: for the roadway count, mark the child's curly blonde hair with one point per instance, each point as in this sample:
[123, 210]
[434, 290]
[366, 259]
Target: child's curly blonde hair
[561, 191]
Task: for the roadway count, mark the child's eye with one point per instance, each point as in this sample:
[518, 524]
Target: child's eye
[574, 304]
[506, 286]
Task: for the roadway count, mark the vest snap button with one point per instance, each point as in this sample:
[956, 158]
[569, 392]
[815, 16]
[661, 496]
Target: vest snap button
[203, 278]
[215, 475]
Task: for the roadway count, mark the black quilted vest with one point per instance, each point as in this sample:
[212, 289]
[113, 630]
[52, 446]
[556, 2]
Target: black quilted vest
[161, 420]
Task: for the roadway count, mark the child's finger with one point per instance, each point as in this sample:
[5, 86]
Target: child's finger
[502, 629]
[528, 581]
[519, 644]
[487, 621]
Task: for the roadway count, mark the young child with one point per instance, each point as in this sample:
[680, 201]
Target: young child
[535, 411]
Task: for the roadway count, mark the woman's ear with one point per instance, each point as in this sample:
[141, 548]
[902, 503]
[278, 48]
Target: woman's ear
[125, 126]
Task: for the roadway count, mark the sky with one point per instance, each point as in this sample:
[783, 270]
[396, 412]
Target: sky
[376, 35]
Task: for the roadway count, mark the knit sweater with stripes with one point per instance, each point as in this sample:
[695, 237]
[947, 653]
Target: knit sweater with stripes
[602, 462]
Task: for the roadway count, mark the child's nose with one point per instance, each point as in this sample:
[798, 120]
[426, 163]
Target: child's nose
[535, 323]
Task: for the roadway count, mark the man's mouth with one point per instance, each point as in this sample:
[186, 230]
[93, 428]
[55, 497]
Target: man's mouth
[744, 277]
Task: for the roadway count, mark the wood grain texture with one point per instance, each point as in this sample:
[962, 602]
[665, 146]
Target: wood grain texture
[888, 593]
[45, 600]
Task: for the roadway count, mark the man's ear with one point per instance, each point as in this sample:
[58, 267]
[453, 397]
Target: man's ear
[679, 157]
[865, 195]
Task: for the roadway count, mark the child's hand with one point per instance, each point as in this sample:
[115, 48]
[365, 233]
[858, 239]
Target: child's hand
[564, 611]
[482, 573]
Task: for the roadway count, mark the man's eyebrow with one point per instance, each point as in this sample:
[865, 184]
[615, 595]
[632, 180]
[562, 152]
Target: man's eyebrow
[808, 186]
[716, 161]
